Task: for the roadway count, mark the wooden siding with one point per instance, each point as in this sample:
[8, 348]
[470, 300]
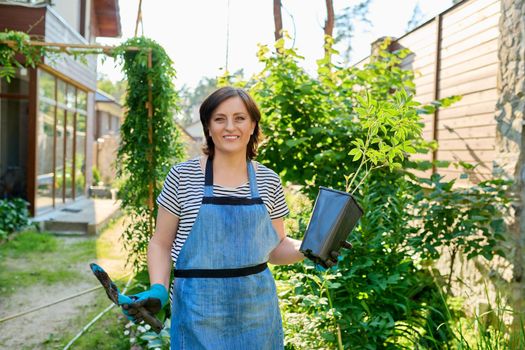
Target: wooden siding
[108, 18]
[422, 44]
[74, 71]
[13, 17]
[469, 67]
[44, 22]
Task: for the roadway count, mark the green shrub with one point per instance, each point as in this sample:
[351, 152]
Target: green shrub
[376, 296]
[354, 129]
[96, 176]
[338, 127]
[469, 220]
[13, 216]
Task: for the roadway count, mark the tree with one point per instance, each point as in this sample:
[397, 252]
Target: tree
[345, 25]
[416, 19]
[116, 89]
[192, 98]
[278, 19]
[329, 23]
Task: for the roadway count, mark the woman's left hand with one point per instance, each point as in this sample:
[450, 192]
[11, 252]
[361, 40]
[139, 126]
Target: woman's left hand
[333, 259]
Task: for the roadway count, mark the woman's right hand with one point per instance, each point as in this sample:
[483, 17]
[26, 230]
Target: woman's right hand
[152, 300]
[123, 302]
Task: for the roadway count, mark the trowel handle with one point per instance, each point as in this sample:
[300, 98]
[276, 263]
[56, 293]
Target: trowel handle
[155, 324]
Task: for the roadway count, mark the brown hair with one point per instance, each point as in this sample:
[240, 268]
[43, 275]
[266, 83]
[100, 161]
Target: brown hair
[213, 101]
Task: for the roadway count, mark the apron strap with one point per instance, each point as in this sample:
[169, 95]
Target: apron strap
[220, 273]
[253, 180]
[208, 179]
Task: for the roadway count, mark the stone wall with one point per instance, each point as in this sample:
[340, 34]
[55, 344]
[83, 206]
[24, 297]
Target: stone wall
[509, 141]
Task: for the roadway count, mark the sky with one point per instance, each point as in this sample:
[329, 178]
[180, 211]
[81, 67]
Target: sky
[194, 33]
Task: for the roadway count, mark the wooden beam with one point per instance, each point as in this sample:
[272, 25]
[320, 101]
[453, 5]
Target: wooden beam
[82, 29]
[139, 18]
[31, 165]
[152, 184]
[103, 48]
[74, 158]
[437, 77]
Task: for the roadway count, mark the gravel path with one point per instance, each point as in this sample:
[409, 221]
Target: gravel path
[34, 330]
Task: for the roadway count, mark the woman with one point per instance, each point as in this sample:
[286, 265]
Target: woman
[220, 220]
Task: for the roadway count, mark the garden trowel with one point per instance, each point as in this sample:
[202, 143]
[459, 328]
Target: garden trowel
[112, 292]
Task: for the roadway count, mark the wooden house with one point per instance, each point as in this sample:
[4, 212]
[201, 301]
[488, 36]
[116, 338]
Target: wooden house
[109, 116]
[47, 113]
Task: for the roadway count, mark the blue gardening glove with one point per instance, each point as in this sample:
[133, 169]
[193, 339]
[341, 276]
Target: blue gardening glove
[153, 300]
[125, 300]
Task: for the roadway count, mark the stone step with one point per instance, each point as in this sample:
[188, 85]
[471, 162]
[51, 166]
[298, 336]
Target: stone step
[87, 216]
[65, 227]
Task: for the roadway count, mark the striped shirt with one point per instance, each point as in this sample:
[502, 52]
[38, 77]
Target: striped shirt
[184, 188]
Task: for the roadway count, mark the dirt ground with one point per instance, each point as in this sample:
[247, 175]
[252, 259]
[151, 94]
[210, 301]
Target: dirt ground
[33, 330]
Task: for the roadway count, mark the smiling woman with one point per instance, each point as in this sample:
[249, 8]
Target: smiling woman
[230, 127]
[220, 222]
[230, 115]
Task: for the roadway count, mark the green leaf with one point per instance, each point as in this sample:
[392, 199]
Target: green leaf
[295, 142]
[354, 151]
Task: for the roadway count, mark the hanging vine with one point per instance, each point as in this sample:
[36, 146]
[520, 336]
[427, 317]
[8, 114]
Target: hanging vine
[149, 141]
[17, 43]
[17, 50]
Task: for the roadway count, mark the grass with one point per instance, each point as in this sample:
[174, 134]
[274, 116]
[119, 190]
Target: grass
[41, 258]
[106, 333]
[489, 331]
[28, 242]
[31, 259]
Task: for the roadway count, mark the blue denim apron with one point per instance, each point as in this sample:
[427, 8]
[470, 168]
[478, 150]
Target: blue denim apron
[224, 295]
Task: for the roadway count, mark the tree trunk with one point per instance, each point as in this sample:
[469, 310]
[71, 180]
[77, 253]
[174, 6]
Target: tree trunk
[278, 20]
[329, 23]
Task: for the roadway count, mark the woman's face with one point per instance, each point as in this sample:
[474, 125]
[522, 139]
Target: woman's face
[231, 126]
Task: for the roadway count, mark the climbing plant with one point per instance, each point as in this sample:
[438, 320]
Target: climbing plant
[19, 44]
[150, 143]
[15, 45]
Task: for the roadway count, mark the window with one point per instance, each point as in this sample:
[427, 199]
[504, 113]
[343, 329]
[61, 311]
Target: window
[61, 142]
[14, 121]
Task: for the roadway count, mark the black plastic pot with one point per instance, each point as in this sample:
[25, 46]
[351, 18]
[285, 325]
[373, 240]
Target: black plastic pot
[335, 215]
